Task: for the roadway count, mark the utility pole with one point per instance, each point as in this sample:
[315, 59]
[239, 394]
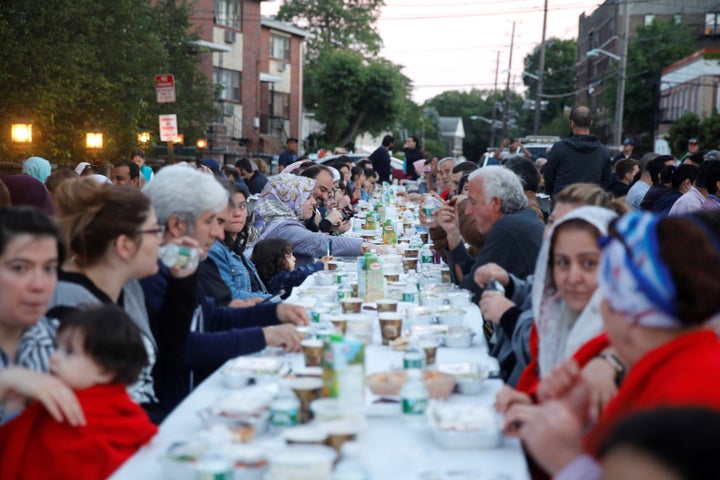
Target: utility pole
[620, 96]
[540, 73]
[494, 101]
[506, 109]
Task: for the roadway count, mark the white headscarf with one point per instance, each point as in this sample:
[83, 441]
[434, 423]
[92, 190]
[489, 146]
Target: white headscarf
[562, 332]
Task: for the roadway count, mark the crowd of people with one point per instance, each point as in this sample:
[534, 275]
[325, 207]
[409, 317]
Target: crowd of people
[603, 327]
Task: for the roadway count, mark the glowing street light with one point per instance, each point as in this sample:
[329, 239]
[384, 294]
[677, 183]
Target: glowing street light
[21, 133]
[94, 140]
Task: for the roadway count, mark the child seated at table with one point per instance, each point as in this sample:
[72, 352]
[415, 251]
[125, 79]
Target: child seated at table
[275, 263]
[99, 352]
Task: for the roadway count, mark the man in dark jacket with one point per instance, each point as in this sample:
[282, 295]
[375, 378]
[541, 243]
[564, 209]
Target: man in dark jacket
[254, 178]
[380, 159]
[579, 157]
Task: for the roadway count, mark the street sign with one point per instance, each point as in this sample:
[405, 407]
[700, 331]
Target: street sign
[165, 88]
[168, 128]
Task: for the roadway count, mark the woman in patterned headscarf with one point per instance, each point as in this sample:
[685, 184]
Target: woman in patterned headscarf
[661, 296]
[285, 201]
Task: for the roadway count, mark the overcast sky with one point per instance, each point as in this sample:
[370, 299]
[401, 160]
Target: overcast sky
[453, 44]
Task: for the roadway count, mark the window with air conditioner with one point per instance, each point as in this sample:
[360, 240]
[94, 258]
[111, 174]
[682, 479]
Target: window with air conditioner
[228, 13]
[229, 81]
[279, 47]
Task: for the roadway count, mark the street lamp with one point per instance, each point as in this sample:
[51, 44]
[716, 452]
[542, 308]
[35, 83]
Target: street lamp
[620, 95]
[94, 141]
[201, 145]
[143, 138]
[597, 51]
[21, 133]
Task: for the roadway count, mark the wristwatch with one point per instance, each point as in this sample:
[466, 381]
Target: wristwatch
[617, 364]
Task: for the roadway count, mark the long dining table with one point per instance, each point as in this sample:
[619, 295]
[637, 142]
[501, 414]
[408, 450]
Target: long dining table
[391, 449]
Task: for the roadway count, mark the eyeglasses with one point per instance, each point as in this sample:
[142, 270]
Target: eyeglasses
[159, 231]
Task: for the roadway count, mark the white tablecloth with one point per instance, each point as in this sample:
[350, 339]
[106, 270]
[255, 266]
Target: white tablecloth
[391, 449]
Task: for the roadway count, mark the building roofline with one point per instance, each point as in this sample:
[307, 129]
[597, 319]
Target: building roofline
[689, 59]
[284, 27]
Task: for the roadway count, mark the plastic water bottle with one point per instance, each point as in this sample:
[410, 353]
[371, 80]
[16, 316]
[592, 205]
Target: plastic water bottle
[284, 409]
[428, 207]
[214, 464]
[174, 255]
[414, 356]
[414, 280]
[414, 395]
[410, 293]
[350, 467]
[426, 257]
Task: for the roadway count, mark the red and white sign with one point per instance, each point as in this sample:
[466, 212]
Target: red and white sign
[165, 88]
[168, 128]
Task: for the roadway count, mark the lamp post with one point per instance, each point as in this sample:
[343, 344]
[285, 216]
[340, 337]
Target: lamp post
[620, 95]
[201, 145]
[143, 138]
[21, 133]
[94, 142]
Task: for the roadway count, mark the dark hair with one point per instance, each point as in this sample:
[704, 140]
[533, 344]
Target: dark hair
[355, 172]
[138, 152]
[111, 339]
[525, 169]
[464, 167]
[684, 439]
[590, 194]
[677, 175]
[388, 140]
[269, 257]
[244, 164]
[314, 171]
[291, 139]
[656, 166]
[697, 158]
[238, 245]
[365, 163]
[689, 248]
[708, 176]
[369, 173]
[16, 221]
[230, 170]
[581, 116]
[60, 175]
[625, 166]
[132, 168]
[303, 166]
[461, 183]
[91, 216]
[415, 139]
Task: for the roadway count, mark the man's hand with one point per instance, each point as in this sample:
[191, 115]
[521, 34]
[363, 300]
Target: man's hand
[294, 314]
[491, 270]
[493, 306]
[447, 218]
[285, 336]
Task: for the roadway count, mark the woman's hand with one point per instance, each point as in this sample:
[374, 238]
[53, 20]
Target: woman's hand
[508, 396]
[285, 336]
[294, 314]
[57, 398]
[600, 376]
[493, 306]
[325, 261]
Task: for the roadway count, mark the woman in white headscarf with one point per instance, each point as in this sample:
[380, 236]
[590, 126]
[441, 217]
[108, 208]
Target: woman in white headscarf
[285, 201]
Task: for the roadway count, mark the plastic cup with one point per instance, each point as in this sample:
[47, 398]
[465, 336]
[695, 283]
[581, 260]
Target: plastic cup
[306, 389]
[312, 350]
[390, 326]
[385, 305]
[351, 305]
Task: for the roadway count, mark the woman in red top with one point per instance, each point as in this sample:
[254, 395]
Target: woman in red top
[661, 293]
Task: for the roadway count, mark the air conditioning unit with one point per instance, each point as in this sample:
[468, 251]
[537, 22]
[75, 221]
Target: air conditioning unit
[228, 109]
[230, 36]
[281, 66]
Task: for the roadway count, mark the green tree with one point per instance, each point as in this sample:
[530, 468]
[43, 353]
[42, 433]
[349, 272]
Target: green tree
[75, 65]
[681, 131]
[353, 95]
[709, 132]
[559, 78]
[656, 45]
[336, 24]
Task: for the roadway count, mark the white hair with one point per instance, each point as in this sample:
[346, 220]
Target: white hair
[446, 159]
[504, 184]
[185, 193]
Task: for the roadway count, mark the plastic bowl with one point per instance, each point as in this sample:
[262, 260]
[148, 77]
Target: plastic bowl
[324, 279]
[439, 385]
[464, 426]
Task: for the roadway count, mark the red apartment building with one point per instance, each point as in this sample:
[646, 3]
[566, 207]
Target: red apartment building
[259, 63]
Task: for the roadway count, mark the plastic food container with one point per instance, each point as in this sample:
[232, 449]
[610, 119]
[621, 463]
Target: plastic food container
[459, 337]
[301, 462]
[237, 372]
[324, 279]
[180, 461]
[439, 385]
[469, 377]
[464, 426]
